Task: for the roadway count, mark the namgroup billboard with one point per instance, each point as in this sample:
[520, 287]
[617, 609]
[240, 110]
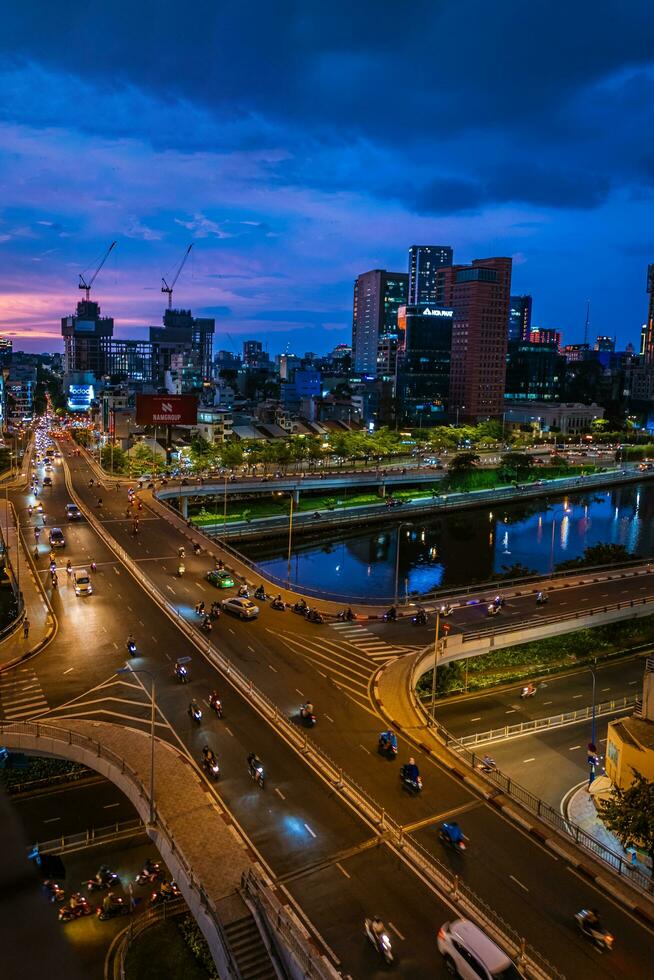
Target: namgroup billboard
[166, 409]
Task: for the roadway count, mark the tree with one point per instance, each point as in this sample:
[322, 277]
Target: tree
[231, 454]
[629, 814]
[463, 462]
[113, 459]
[598, 554]
[516, 465]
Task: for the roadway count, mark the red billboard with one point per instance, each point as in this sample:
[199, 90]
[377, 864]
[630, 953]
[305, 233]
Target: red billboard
[166, 409]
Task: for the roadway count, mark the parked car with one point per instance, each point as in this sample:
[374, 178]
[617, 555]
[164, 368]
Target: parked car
[243, 608]
[220, 578]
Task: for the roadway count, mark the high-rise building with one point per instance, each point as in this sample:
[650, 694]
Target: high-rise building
[423, 372]
[424, 261]
[520, 318]
[378, 294]
[605, 344]
[480, 296]
[252, 351]
[647, 343]
[6, 347]
[539, 335]
[534, 371]
[183, 346]
[84, 336]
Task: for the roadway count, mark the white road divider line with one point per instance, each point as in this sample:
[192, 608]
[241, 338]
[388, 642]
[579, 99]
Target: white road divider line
[69, 670]
[365, 749]
[524, 887]
[395, 930]
[281, 795]
[310, 830]
[342, 870]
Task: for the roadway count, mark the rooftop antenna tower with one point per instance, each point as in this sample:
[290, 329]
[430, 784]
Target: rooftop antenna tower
[587, 323]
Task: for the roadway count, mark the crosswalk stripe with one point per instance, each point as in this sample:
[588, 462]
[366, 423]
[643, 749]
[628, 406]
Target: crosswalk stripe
[21, 694]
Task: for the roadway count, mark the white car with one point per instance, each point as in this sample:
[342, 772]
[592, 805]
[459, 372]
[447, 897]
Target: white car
[243, 608]
[471, 955]
[82, 581]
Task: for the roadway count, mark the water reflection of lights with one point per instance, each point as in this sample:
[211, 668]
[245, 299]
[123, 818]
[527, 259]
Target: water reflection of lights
[565, 531]
[505, 542]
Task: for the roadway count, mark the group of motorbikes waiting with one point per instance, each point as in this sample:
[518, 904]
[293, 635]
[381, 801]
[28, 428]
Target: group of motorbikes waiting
[112, 905]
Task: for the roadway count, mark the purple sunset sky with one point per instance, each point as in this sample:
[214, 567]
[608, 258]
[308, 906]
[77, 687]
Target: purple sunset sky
[300, 143]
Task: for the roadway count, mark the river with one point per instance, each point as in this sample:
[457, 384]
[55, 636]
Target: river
[465, 547]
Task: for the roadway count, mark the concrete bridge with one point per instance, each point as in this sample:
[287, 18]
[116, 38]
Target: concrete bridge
[218, 873]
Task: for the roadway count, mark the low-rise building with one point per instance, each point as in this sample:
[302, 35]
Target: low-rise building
[565, 417]
[630, 741]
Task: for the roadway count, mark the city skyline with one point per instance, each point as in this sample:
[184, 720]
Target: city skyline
[286, 174]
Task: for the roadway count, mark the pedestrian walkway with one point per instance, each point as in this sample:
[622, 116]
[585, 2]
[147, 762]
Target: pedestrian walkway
[28, 639]
[581, 809]
[367, 641]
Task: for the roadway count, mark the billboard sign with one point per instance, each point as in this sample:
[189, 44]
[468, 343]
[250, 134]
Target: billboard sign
[166, 409]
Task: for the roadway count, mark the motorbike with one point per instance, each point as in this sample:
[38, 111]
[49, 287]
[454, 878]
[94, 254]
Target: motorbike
[211, 767]
[541, 598]
[390, 616]
[493, 610]
[594, 931]
[260, 594]
[420, 618]
[278, 604]
[131, 648]
[409, 783]
[110, 880]
[446, 610]
[300, 607]
[307, 716]
[54, 891]
[387, 747]
[67, 912]
[181, 568]
[118, 907]
[244, 592]
[346, 615]
[149, 876]
[487, 765]
[381, 942]
[498, 601]
[313, 616]
[217, 706]
[256, 773]
[195, 712]
[181, 673]
[445, 838]
[160, 898]
[528, 691]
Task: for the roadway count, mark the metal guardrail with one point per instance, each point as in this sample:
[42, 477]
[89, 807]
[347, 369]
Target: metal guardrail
[330, 771]
[560, 618]
[90, 837]
[151, 917]
[555, 721]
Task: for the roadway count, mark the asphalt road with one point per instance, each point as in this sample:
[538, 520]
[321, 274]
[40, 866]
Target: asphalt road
[72, 808]
[291, 660]
[496, 708]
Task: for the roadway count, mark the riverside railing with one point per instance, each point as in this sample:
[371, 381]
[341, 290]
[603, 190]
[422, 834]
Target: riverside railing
[555, 721]
[91, 837]
[374, 814]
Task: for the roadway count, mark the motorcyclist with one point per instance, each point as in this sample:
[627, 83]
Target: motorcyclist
[301, 605]
[181, 553]
[307, 709]
[193, 708]
[453, 832]
[377, 928]
[180, 670]
[421, 615]
[208, 755]
[108, 902]
[388, 740]
[102, 875]
[591, 921]
[254, 763]
[260, 592]
[166, 889]
[213, 698]
[149, 867]
[488, 762]
[244, 592]
[391, 614]
[130, 643]
[75, 901]
[411, 771]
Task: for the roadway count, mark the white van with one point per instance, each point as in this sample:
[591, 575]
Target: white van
[82, 581]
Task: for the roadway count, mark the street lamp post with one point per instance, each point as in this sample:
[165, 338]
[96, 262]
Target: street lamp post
[141, 670]
[433, 678]
[592, 747]
[290, 539]
[397, 554]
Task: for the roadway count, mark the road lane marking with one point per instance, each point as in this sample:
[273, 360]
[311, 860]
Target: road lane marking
[115, 645]
[200, 587]
[605, 688]
[365, 749]
[395, 930]
[510, 711]
[52, 820]
[141, 623]
[310, 830]
[230, 629]
[573, 747]
[229, 731]
[575, 696]
[170, 588]
[154, 638]
[633, 682]
[281, 795]
[533, 759]
[519, 883]
[298, 691]
[547, 702]
[116, 570]
[251, 649]
[110, 806]
[342, 870]
[478, 718]
[129, 608]
[69, 670]
[329, 719]
[270, 667]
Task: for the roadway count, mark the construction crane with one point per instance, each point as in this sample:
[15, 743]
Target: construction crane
[169, 289]
[86, 286]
